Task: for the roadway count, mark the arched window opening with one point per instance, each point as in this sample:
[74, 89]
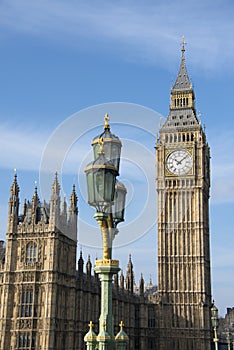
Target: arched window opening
[31, 252]
[151, 317]
[26, 307]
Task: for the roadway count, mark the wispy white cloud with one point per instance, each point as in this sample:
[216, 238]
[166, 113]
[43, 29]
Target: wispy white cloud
[150, 30]
[24, 148]
[20, 147]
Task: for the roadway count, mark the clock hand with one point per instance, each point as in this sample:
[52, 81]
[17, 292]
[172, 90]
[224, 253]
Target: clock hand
[180, 161]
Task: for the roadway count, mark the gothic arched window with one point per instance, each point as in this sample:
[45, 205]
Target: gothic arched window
[31, 252]
[26, 340]
[151, 317]
[26, 308]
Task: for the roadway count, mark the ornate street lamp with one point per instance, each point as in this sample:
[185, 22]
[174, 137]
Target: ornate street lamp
[101, 178]
[228, 337]
[107, 195]
[215, 323]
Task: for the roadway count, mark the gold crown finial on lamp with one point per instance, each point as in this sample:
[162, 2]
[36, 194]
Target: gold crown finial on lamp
[106, 120]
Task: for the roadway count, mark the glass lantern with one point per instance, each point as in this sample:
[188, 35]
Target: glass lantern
[119, 202]
[101, 178]
[111, 145]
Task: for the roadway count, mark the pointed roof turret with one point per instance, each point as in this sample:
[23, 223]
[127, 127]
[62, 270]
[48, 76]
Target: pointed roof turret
[35, 198]
[142, 285]
[15, 187]
[121, 280]
[182, 114]
[130, 275]
[80, 263]
[24, 207]
[55, 186]
[13, 205]
[73, 201]
[88, 267]
[64, 205]
[182, 80]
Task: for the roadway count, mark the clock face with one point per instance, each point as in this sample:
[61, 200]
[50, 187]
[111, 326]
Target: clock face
[179, 162]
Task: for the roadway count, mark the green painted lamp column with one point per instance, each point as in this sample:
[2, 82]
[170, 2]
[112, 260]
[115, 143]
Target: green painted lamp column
[107, 195]
[106, 268]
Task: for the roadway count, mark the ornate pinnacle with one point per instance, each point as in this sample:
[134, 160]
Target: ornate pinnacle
[56, 186]
[15, 186]
[183, 43]
[73, 200]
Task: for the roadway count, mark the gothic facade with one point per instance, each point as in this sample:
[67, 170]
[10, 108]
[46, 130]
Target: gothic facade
[46, 302]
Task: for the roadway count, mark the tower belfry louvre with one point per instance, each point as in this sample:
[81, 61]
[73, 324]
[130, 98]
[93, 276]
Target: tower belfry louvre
[183, 182]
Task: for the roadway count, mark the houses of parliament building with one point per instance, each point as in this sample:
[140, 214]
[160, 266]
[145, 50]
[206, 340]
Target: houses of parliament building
[48, 296]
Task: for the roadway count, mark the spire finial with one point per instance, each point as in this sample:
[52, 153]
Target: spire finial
[106, 120]
[183, 43]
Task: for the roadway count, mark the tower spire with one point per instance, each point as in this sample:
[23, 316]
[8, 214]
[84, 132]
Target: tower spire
[35, 205]
[13, 205]
[73, 212]
[182, 80]
[55, 202]
[130, 275]
[182, 107]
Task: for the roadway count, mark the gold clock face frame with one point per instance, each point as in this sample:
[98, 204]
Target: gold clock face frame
[179, 162]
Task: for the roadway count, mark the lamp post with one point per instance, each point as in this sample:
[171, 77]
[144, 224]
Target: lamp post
[107, 195]
[215, 324]
[228, 337]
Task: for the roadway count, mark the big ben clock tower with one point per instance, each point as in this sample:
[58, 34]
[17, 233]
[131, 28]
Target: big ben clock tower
[183, 183]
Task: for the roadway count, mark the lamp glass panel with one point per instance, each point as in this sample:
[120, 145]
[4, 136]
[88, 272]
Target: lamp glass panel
[119, 204]
[95, 150]
[115, 154]
[109, 186]
[107, 149]
[89, 177]
[99, 185]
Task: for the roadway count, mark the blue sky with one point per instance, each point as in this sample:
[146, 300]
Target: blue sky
[59, 58]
